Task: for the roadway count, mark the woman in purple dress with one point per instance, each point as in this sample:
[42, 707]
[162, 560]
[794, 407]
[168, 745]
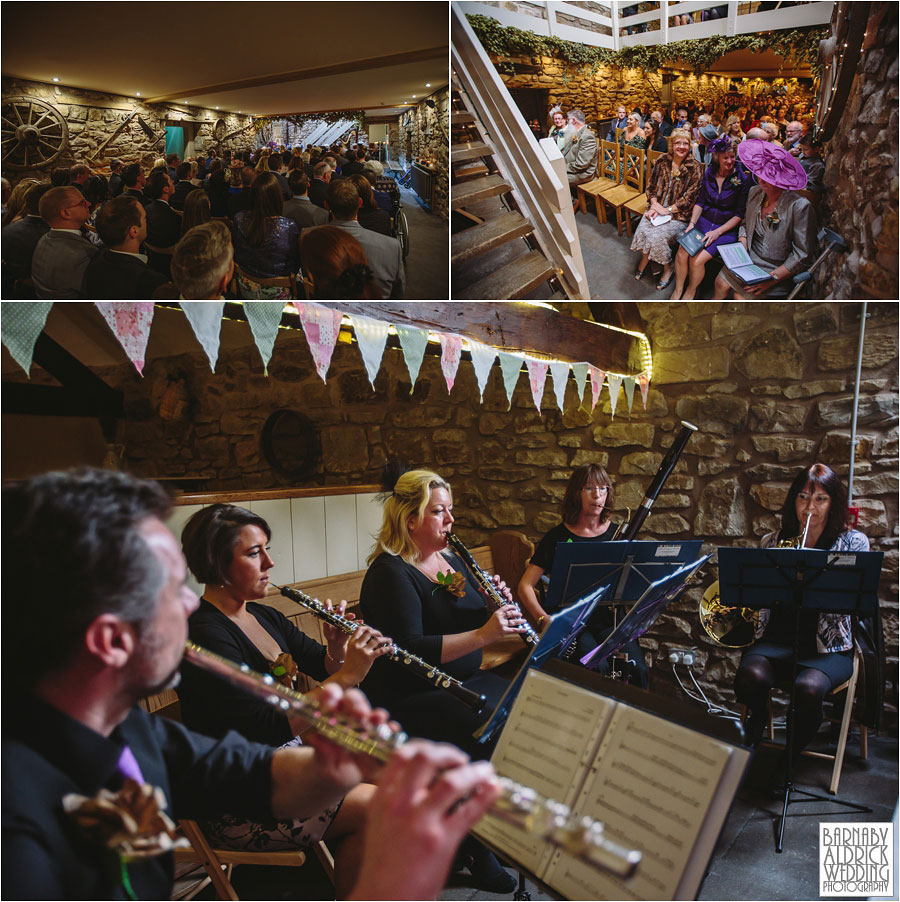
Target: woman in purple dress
[718, 213]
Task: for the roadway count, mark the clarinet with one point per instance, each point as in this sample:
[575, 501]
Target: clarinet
[443, 680]
[519, 805]
[662, 474]
[527, 634]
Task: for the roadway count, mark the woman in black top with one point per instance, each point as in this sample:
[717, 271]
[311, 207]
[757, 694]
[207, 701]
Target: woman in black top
[586, 508]
[226, 548]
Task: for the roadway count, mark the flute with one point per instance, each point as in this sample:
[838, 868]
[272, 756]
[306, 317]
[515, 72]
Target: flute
[527, 634]
[518, 805]
[418, 666]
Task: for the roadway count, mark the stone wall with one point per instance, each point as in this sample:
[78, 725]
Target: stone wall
[770, 386]
[423, 132]
[861, 173]
[93, 116]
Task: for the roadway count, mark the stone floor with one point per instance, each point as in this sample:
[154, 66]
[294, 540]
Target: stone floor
[744, 864]
[427, 277]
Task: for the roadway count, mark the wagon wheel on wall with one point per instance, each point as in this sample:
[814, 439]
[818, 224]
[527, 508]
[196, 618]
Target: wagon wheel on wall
[34, 133]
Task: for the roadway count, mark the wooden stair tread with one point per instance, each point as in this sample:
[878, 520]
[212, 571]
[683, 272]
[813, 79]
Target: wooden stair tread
[458, 117]
[512, 281]
[485, 237]
[478, 189]
[470, 150]
[469, 171]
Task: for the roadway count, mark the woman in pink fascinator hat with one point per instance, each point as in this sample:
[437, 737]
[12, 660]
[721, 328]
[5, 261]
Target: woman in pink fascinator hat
[779, 228]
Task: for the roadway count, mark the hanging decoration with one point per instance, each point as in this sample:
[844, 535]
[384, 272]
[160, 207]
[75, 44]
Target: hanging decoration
[597, 377]
[130, 322]
[580, 372]
[372, 336]
[205, 318]
[537, 376]
[321, 326]
[510, 367]
[614, 382]
[413, 342]
[264, 318]
[559, 369]
[628, 385]
[483, 357]
[20, 324]
[644, 382]
[451, 351]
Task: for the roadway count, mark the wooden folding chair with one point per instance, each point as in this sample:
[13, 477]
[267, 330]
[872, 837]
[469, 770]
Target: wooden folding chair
[632, 183]
[637, 206]
[607, 177]
[243, 278]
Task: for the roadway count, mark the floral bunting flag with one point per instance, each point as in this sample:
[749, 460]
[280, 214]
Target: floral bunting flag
[413, 342]
[130, 322]
[371, 334]
[483, 357]
[614, 383]
[559, 369]
[537, 376]
[205, 318]
[264, 318]
[510, 366]
[321, 326]
[597, 377]
[644, 381]
[629, 384]
[580, 372]
[451, 351]
[20, 324]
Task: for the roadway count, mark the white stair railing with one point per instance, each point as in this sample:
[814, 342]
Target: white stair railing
[539, 183]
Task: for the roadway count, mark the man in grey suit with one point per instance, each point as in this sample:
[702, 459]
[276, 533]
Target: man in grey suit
[62, 255]
[580, 151]
[300, 208]
[382, 252]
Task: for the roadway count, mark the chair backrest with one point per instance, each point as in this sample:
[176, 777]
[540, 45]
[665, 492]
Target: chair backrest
[289, 281]
[633, 168]
[608, 161]
[619, 132]
[511, 552]
[652, 157]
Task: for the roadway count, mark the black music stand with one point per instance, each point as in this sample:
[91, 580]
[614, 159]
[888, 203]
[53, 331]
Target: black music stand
[835, 582]
[644, 612]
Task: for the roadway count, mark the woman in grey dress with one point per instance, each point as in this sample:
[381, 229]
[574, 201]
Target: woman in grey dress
[779, 227]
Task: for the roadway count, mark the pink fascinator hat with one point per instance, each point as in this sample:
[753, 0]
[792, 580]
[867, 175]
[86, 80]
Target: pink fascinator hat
[772, 164]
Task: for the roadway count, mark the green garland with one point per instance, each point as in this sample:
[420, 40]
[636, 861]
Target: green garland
[799, 45]
[300, 119]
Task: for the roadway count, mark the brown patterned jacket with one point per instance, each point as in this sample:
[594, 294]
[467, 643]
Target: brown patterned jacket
[683, 192]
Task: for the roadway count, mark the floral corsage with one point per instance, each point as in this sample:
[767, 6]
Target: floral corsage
[774, 220]
[454, 582]
[736, 181]
[284, 669]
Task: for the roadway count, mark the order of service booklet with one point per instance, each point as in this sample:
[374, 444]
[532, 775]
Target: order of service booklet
[737, 260]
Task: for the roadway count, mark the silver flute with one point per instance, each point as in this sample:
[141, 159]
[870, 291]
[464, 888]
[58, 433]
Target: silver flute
[417, 665]
[526, 631]
[518, 805]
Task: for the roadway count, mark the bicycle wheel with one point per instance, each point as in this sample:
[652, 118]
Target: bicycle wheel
[402, 230]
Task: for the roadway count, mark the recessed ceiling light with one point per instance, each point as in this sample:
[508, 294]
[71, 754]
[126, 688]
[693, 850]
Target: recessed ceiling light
[428, 85]
[216, 107]
[56, 79]
[414, 96]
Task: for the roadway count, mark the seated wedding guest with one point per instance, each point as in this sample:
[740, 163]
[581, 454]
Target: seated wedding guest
[318, 184]
[811, 160]
[370, 215]
[558, 128]
[120, 270]
[198, 171]
[733, 128]
[62, 255]
[771, 129]
[96, 193]
[116, 185]
[78, 175]
[701, 120]
[672, 190]
[276, 166]
[357, 164]
[133, 181]
[792, 134]
[183, 187]
[196, 211]
[15, 205]
[266, 241]
[170, 164]
[705, 136]
[203, 262]
[633, 136]
[163, 223]
[779, 228]
[60, 176]
[218, 193]
[300, 208]
[718, 212]
[383, 253]
[652, 137]
[241, 200]
[336, 263]
[580, 151]
[620, 121]
[386, 190]
[19, 239]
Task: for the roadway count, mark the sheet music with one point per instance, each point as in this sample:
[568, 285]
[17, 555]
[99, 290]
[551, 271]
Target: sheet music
[652, 783]
[547, 744]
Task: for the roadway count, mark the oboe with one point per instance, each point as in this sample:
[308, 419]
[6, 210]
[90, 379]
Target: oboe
[519, 805]
[528, 635]
[417, 665]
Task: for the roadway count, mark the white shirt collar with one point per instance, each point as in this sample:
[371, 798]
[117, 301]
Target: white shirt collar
[141, 257]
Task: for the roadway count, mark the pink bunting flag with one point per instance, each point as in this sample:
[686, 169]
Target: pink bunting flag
[451, 349]
[597, 377]
[644, 382]
[130, 322]
[537, 376]
[321, 326]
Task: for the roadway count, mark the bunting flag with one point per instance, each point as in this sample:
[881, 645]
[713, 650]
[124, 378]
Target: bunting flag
[451, 351]
[321, 326]
[483, 357]
[614, 383]
[205, 318]
[628, 384]
[644, 381]
[510, 366]
[413, 342]
[130, 322]
[371, 335]
[537, 376]
[559, 369]
[580, 371]
[20, 324]
[597, 377]
[264, 318]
